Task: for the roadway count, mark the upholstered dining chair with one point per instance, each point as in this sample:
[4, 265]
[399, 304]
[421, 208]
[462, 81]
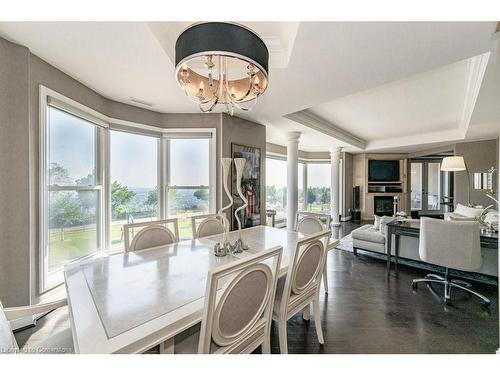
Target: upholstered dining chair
[300, 287]
[61, 342]
[153, 234]
[309, 224]
[208, 225]
[238, 307]
[450, 244]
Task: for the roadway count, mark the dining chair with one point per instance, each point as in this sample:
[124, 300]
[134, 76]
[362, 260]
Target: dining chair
[238, 307]
[154, 233]
[61, 342]
[300, 287]
[310, 224]
[208, 225]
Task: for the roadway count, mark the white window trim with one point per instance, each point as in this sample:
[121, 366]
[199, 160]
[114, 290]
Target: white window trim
[102, 148]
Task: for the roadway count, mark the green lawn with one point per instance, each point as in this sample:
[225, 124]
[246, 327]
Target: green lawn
[82, 242]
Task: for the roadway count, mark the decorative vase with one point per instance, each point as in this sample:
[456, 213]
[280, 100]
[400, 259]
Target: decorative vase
[226, 169]
[240, 165]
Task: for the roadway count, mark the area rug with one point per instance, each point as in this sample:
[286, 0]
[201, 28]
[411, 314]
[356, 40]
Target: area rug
[346, 245]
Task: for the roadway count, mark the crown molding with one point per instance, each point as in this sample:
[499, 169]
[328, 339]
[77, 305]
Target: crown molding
[309, 119]
[477, 68]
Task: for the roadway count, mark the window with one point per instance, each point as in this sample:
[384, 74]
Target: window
[276, 186]
[134, 181]
[318, 187]
[188, 186]
[72, 193]
[98, 174]
[301, 179]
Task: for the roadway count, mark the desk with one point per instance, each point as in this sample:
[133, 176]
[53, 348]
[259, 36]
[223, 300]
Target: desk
[411, 228]
[130, 302]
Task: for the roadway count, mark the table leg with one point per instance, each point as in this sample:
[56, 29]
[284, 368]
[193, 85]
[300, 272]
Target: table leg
[389, 244]
[396, 252]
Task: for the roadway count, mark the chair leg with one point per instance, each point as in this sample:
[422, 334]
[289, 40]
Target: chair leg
[306, 313]
[325, 278]
[484, 300]
[317, 319]
[283, 336]
[266, 345]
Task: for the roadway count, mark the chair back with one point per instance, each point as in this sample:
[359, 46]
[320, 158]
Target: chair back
[324, 219]
[304, 273]
[8, 343]
[208, 225]
[153, 234]
[452, 244]
[309, 225]
[238, 304]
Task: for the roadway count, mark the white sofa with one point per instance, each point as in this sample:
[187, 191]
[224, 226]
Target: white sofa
[371, 237]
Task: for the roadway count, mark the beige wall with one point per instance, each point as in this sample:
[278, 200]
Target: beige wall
[21, 74]
[246, 133]
[479, 157]
[14, 174]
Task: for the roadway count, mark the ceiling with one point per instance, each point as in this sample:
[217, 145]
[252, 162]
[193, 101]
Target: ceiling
[394, 86]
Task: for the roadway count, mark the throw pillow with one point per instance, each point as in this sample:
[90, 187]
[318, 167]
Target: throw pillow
[384, 220]
[467, 211]
[376, 224]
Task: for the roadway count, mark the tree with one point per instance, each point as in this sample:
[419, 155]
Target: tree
[65, 211]
[201, 194]
[120, 198]
[58, 175]
[325, 196]
[311, 196]
[152, 199]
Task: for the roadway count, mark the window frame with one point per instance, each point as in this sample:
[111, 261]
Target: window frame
[105, 124]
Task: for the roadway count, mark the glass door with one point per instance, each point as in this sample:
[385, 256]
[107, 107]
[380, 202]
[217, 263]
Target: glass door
[416, 186]
[433, 186]
[426, 186]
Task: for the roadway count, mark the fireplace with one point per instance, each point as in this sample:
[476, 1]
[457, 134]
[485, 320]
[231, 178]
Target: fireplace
[383, 205]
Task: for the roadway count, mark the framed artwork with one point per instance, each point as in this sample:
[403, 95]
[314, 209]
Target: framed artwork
[250, 186]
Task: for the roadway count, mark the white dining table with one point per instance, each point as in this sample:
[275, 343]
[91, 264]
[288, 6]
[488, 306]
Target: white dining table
[130, 302]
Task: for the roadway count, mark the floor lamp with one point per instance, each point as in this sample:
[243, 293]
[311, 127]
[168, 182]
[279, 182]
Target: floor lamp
[457, 164]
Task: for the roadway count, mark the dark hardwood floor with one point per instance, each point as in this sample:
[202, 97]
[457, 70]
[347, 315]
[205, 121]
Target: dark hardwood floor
[365, 312]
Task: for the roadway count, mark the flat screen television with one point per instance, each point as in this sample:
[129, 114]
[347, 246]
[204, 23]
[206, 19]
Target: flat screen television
[383, 170]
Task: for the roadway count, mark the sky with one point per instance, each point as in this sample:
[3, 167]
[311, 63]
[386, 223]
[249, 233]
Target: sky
[133, 157]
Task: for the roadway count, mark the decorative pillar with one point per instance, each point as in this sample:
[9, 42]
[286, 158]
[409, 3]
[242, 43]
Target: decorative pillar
[292, 190]
[334, 186]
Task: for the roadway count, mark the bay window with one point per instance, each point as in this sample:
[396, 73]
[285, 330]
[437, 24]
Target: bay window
[72, 192]
[134, 181]
[188, 190]
[97, 174]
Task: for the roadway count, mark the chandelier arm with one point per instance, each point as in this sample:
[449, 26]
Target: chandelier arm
[211, 107]
[244, 96]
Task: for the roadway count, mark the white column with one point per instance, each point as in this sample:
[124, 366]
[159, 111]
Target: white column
[334, 186]
[292, 166]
